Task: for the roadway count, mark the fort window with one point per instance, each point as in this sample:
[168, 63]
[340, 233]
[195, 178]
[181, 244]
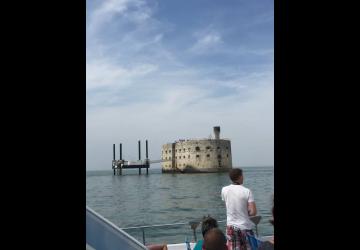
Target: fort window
[175, 157]
[207, 155]
[169, 151]
[219, 156]
[218, 147]
[227, 147]
[184, 157]
[208, 147]
[197, 148]
[227, 155]
[189, 156]
[166, 152]
[175, 150]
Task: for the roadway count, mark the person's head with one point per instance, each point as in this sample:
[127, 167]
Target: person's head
[236, 175]
[214, 239]
[207, 224]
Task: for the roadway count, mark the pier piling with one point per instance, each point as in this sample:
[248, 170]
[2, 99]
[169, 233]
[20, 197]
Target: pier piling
[147, 158]
[114, 159]
[139, 156]
[120, 159]
[118, 165]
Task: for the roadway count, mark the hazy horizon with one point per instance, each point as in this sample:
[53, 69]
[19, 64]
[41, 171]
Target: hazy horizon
[159, 167]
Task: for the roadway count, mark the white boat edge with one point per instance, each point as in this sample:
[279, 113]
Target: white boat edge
[102, 234]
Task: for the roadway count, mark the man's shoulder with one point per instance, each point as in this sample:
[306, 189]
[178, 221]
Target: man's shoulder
[226, 187]
[245, 188]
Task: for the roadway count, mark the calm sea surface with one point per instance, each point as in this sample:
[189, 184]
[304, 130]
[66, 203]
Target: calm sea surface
[136, 200]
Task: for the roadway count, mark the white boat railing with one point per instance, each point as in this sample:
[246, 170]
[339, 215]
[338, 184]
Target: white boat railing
[101, 234]
[193, 225]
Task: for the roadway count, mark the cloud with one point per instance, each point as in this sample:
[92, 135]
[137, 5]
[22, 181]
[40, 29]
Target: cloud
[104, 73]
[134, 11]
[206, 40]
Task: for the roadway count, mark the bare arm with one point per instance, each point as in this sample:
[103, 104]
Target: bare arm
[252, 208]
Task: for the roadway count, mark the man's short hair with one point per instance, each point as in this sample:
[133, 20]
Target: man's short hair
[214, 239]
[207, 224]
[235, 173]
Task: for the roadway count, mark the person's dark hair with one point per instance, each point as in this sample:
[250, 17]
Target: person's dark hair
[207, 224]
[214, 239]
[235, 173]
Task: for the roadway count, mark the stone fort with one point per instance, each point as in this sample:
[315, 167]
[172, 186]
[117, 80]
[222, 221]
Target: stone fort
[197, 155]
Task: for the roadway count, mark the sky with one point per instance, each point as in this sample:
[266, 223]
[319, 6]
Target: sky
[163, 70]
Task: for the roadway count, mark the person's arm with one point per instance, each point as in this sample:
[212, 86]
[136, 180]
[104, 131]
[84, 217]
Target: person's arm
[252, 208]
[251, 205]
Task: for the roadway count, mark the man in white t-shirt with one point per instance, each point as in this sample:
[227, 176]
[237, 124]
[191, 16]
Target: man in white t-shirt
[240, 205]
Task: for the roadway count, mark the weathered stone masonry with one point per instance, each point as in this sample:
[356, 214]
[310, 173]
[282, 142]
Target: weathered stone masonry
[203, 155]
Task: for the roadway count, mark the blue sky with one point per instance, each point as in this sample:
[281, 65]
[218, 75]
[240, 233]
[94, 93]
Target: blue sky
[164, 70]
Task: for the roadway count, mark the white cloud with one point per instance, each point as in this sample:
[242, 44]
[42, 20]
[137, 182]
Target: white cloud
[104, 73]
[206, 41]
[112, 8]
